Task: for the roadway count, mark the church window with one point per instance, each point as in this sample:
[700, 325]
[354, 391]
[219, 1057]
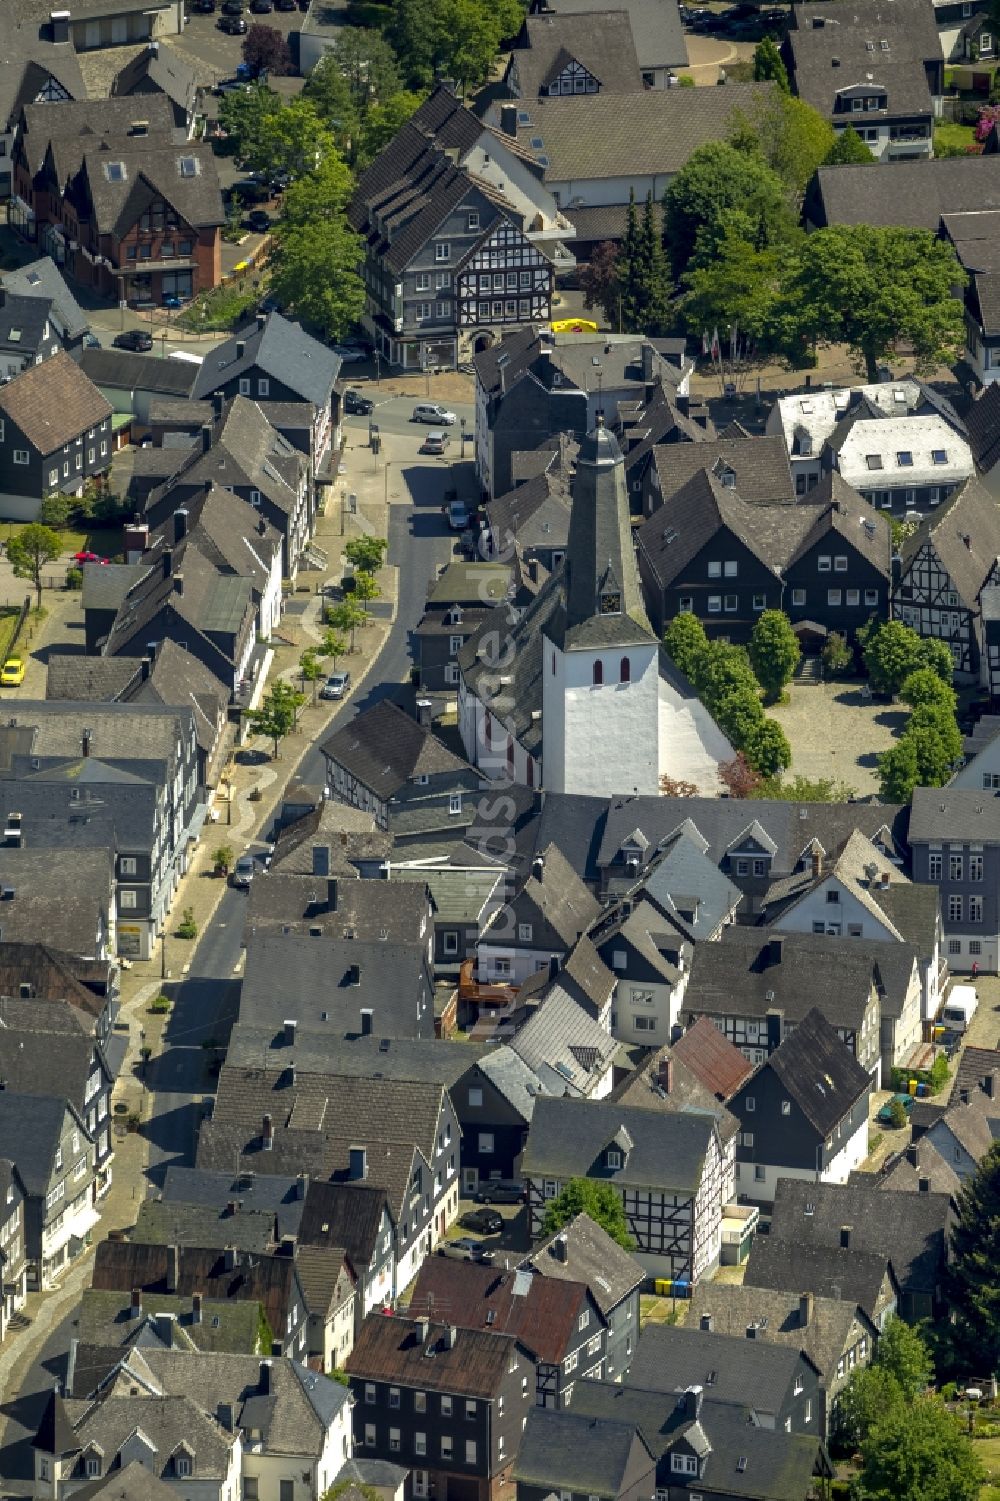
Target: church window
[611, 602]
[626, 670]
[598, 672]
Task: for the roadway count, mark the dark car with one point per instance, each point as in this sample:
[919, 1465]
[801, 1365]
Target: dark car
[262, 7]
[359, 405]
[483, 1221]
[233, 26]
[499, 1191]
[259, 220]
[232, 7]
[284, 4]
[203, 7]
[136, 339]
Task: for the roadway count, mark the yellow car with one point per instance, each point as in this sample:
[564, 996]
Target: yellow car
[12, 672]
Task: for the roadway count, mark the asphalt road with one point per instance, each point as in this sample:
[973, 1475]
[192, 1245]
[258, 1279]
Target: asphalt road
[394, 414]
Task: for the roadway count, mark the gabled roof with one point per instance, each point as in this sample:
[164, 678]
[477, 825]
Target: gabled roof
[916, 194]
[589, 1455]
[983, 418]
[44, 280]
[344, 1214]
[541, 1312]
[965, 534]
[586, 1253]
[53, 403]
[820, 1073]
[749, 972]
[600, 42]
[831, 1272]
[162, 67]
[55, 1434]
[280, 349]
[823, 1330]
[384, 748]
[659, 37]
[670, 1359]
[567, 1136]
[564, 1045]
[713, 1059]
[123, 177]
[475, 1365]
[760, 466]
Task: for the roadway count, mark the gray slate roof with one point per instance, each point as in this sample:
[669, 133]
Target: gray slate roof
[819, 1072]
[741, 976]
[914, 194]
[760, 466]
[656, 28]
[384, 748]
[44, 280]
[668, 1359]
[831, 1272]
[280, 349]
[588, 1455]
[567, 1136]
[591, 1256]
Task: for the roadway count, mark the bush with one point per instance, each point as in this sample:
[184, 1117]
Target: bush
[74, 578]
[223, 857]
[187, 927]
[897, 1114]
[160, 1005]
[836, 655]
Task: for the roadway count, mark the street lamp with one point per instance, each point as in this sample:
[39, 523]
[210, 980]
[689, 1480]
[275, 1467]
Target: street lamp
[388, 466]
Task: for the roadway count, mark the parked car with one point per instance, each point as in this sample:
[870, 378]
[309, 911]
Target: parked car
[464, 1249]
[171, 300]
[234, 26]
[336, 685]
[357, 403]
[499, 1191]
[203, 7]
[284, 4]
[136, 339]
[243, 872]
[884, 1116]
[88, 557]
[458, 515]
[259, 220]
[435, 442]
[483, 1221]
[232, 7]
[435, 416]
[91, 341]
[350, 353]
[262, 7]
[12, 672]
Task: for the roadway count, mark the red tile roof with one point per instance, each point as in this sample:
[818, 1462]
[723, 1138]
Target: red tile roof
[543, 1312]
[712, 1058]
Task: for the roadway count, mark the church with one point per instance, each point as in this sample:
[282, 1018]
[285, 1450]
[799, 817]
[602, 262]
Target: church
[566, 696]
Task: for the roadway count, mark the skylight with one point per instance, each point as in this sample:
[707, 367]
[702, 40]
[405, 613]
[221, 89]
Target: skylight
[537, 143]
[115, 171]
[188, 166]
[14, 335]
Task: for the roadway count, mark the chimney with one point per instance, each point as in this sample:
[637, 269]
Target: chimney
[144, 669]
[241, 349]
[196, 1300]
[751, 1331]
[267, 1134]
[692, 1402]
[560, 1249]
[706, 1322]
[912, 1154]
[206, 436]
[265, 1378]
[261, 320]
[86, 741]
[353, 977]
[59, 20]
[180, 524]
[424, 712]
[367, 1021]
[967, 539]
[423, 1330]
[665, 1074]
[845, 1237]
[924, 1185]
[805, 1310]
[451, 1337]
[173, 1268]
[321, 859]
[817, 864]
[179, 583]
[963, 1096]
[508, 119]
[232, 1207]
[135, 1307]
[357, 1169]
[168, 562]
[990, 1084]
[538, 867]
[288, 1076]
[289, 1027]
[331, 894]
[165, 1328]
[775, 947]
[301, 1185]
[232, 1258]
[154, 49]
[218, 403]
[13, 831]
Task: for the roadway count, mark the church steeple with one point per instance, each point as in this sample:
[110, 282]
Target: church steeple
[601, 580]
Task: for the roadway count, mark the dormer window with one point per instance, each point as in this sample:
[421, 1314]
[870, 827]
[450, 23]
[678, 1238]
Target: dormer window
[182, 1465]
[683, 1464]
[614, 1157]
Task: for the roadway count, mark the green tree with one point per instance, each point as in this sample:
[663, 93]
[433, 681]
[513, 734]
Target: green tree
[836, 654]
[869, 1396]
[739, 285]
[717, 187]
[54, 510]
[688, 647]
[29, 552]
[311, 669]
[786, 134]
[459, 39]
[919, 1450]
[728, 671]
[936, 656]
[626, 290]
[903, 1355]
[774, 652]
[800, 789]
[767, 748]
[365, 590]
[871, 287]
[292, 140]
[242, 113]
[345, 616]
[973, 1286]
[599, 281]
[315, 271]
[935, 736]
[333, 645]
[767, 64]
[898, 772]
[848, 148]
[588, 1196]
[330, 93]
[923, 686]
[891, 652]
[366, 554]
[277, 714]
[382, 121]
[654, 276]
[320, 196]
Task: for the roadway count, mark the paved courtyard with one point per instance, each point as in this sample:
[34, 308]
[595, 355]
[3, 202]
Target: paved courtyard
[834, 732]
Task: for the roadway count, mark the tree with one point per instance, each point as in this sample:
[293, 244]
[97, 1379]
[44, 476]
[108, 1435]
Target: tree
[774, 652]
[54, 510]
[870, 1395]
[687, 646]
[904, 1356]
[366, 554]
[450, 38]
[345, 616]
[277, 714]
[973, 1286]
[370, 66]
[591, 1197]
[935, 655]
[332, 645]
[786, 134]
[30, 550]
[891, 651]
[739, 285]
[800, 789]
[767, 64]
[382, 121]
[871, 286]
[315, 271]
[919, 1450]
[848, 148]
[767, 748]
[933, 731]
[923, 686]
[320, 195]
[311, 669]
[836, 655]
[265, 50]
[716, 184]
[627, 272]
[738, 777]
[653, 275]
[242, 113]
[898, 772]
[599, 281]
[365, 590]
[330, 93]
[290, 141]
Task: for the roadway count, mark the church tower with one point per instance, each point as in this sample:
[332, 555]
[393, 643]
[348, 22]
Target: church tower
[600, 657]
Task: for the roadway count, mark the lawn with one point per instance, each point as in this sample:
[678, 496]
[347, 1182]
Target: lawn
[223, 307]
[656, 1310]
[104, 540]
[8, 620]
[950, 138]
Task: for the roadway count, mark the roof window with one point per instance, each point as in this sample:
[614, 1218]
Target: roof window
[939, 455]
[188, 166]
[904, 459]
[115, 171]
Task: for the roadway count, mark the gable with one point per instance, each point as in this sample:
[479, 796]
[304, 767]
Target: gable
[494, 250]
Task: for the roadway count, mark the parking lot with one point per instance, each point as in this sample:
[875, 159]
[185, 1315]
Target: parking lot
[211, 53]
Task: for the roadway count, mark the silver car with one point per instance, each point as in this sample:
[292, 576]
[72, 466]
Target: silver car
[243, 872]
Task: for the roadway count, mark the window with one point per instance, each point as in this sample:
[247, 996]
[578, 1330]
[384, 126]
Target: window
[644, 1023]
[501, 966]
[975, 909]
[955, 864]
[852, 597]
[786, 1107]
[470, 1451]
[370, 1434]
[472, 1407]
[394, 1396]
[424, 310]
[420, 1443]
[446, 1407]
[475, 1101]
[598, 673]
[419, 1401]
[871, 596]
[731, 603]
[182, 1465]
[584, 1319]
[833, 895]
[441, 309]
[975, 867]
[53, 476]
[625, 672]
[641, 997]
[423, 282]
[824, 564]
[442, 252]
[939, 456]
[446, 1446]
[714, 604]
[21, 456]
[263, 386]
[472, 222]
[93, 1465]
[442, 279]
[840, 564]
[244, 385]
[833, 596]
[614, 1157]
[904, 459]
[759, 1174]
[455, 802]
[524, 932]
[683, 1464]
[747, 1139]
[715, 570]
[798, 596]
[934, 866]
[954, 946]
[486, 1142]
[91, 455]
[954, 909]
[730, 570]
[572, 1360]
[760, 601]
[127, 900]
[394, 1439]
[369, 1394]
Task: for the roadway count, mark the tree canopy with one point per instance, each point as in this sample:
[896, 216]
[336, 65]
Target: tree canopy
[774, 651]
[973, 1285]
[919, 1449]
[456, 39]
[787, 134]
[265, 50]
[848, 149]
[589, 1196]
[720, 189]
[768, 66]
[30, 549]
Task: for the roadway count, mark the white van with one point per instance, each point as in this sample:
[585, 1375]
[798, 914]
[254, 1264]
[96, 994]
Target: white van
[960, 1007]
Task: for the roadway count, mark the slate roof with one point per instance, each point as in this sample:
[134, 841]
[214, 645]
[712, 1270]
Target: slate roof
[152, 169]
[983, 417]
[820, 1074]
[44, 280]
[916, 194]
[282, 1197]
[825, 1337]
[973, 1067]
[50, 975]
[69, 913]
[136, 372]
[760, 466]
[277, 348]
[921, 1160]
[831, 1272]
[591, 1257]
[344, 1214]
[77, 125]
[394, 912]
[347, 833]
[564, 1045]
[384, 747]
[213, 603]
[519, 1085]
[171, 1224]
[567, 1136]
[881, 50]
[98, 678]
[663, 1082]
[959, 813]
[133, 1483]
[54, 1434]
[164, 68]
[741, 976]
[53, 403]
[268, 1280]
[166, 1422]
[583, 1454]
[656, 28]
[45, 1050]
[691, 888]
[391, 1350]
[541, 1312]
[601, 42]
[712, 1058]
[105, 1321]
[654, 133]
[671, 1358]
[459, 896]
[909, 1229]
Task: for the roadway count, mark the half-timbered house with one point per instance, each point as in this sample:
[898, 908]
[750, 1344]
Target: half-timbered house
[673, 1171]
[945, 566]
[461, 238]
